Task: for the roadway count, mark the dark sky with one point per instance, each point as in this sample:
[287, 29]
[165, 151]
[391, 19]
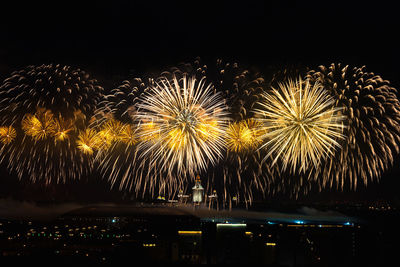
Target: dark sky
[117, 37]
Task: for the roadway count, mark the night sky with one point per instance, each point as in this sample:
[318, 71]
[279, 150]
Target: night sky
[115, 39]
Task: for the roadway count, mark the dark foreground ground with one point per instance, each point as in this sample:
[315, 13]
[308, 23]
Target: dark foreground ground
[182, 234]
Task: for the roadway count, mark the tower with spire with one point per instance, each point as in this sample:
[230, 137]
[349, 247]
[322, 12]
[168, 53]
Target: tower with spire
[198, 191]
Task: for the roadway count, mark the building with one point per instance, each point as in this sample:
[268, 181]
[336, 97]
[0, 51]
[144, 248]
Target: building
[198, 191]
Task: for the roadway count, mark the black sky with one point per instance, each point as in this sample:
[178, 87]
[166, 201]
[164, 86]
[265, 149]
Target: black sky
[111, 39]
[114, 36]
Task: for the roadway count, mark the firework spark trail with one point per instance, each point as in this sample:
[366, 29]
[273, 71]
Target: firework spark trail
[241, 175]
[120, 162]
[189, 123]
[244, 135]
[302, 126]
[237, 174]
[154, 136]
[88, 141]
[372, 111]
[174, 128]
[120, 103]
[40, 125]
[63, 129]
[7, 134]
[47, 105]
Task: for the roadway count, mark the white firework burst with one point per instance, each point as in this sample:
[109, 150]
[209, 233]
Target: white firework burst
[182, 123]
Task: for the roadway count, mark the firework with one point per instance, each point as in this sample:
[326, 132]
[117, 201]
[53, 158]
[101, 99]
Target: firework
[173, 127]
[118, 158]
[302, 126]
[244, 135]
[89, 141]
[124, 163]
[111, 131]
[40, 125]
[119, 104]
[103, 140]
[128, 135]
[63, 129]
[241, 174]
[188, 121]
[48, 106]
[7, 134]
[61, 89]
[371, 108]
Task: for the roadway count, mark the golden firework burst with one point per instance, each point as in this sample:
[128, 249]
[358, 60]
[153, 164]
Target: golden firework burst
[88, 141]
[128, 135]
[63, 129]
[182, 124]
[301, 124]
[40, 125]
[7, 134]
[244, 135]
[113, 130]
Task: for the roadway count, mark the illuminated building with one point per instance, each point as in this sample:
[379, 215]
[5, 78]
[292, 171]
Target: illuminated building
[198, 191]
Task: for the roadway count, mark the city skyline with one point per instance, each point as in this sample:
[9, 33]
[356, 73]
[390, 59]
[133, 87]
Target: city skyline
[200, 132]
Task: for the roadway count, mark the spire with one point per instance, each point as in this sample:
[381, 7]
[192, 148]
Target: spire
[198, 190]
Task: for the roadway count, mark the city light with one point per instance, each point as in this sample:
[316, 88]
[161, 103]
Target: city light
[231, 225]
[189, 232]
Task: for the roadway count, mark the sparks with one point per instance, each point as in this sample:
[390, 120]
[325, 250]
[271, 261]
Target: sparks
[182, 124]
[301, 123]
[40, 125]
[244, 135]
[7, 134]
[88, 141]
